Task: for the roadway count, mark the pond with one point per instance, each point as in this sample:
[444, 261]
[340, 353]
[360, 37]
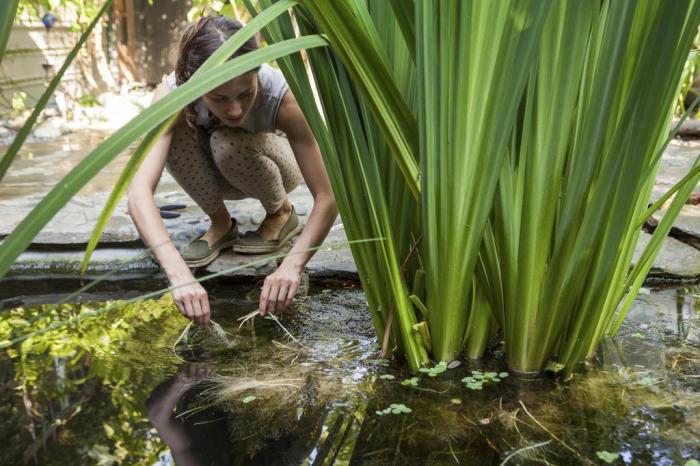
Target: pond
[132, 384]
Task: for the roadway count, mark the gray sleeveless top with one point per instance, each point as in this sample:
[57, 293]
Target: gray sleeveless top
[262, 115]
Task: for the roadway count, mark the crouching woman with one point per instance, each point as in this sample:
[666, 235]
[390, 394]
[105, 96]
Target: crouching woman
[245, 139]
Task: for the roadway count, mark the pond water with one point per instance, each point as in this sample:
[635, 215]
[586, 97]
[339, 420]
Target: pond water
[131, 384]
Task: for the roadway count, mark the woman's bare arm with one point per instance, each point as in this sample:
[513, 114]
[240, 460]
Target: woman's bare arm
[279, 288]
[191, 299]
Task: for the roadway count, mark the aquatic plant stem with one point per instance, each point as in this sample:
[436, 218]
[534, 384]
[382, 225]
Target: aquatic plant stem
[521, 450]
[575, 452]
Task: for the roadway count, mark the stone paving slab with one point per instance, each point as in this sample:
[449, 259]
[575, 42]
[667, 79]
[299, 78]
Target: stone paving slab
[676, 260]
[333, 260]
[687, 224]
[123, 260]
[675, 164]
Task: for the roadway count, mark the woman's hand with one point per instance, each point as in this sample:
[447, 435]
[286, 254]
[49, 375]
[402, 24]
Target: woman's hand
[278, 290]
[192, 299]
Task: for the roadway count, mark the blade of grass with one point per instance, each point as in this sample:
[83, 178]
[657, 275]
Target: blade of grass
[356, 177]
[120, 186]
[646, 259]
[8, 10]
[367, 65]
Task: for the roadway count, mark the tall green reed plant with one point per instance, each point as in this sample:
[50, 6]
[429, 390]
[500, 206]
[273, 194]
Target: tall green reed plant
[476, 139]
[8, 10]
[526, 114]
[354, 148]
[582, 162]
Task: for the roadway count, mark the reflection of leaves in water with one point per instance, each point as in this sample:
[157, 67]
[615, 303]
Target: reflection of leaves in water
[61, 374]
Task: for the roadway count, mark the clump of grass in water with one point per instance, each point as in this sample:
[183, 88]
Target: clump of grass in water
[250, 319]
[194, 338]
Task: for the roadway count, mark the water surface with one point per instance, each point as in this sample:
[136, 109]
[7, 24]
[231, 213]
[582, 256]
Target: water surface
[116, 389]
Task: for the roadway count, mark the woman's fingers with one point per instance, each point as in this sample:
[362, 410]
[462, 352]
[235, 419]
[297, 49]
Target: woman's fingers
[189, 311]
[180, 306]
[278, 291]
[206, 311]
[290, 294]
[272, 296]
[264, 297]
[197, 308]
[280, 300]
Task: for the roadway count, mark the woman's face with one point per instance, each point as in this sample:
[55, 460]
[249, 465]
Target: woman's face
[231, 101]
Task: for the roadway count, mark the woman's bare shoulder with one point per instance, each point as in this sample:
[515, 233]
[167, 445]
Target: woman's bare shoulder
[161, 91]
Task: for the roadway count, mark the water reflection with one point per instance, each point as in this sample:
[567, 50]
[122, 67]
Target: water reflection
[112, 391]
[195, 437]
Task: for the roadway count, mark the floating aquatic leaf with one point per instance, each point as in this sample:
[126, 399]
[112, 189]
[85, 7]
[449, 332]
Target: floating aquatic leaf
[456, 401]
[394, 408]
[503, 375]
[398, 408]
[387, 377]
[454, 364]
[607, 456]
[554, 367]
[439, 368]
[413, 381]
[249, 398]
[692, 462]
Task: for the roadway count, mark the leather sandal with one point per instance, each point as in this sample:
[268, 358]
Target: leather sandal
[252, 243]
[198, 253]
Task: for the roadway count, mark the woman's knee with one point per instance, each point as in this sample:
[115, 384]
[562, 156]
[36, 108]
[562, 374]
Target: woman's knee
[235, 143]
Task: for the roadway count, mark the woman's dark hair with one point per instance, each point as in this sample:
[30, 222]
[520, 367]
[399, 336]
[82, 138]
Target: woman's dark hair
[198, 42]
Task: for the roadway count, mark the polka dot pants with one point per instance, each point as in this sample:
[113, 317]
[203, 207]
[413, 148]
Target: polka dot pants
[232, 164]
